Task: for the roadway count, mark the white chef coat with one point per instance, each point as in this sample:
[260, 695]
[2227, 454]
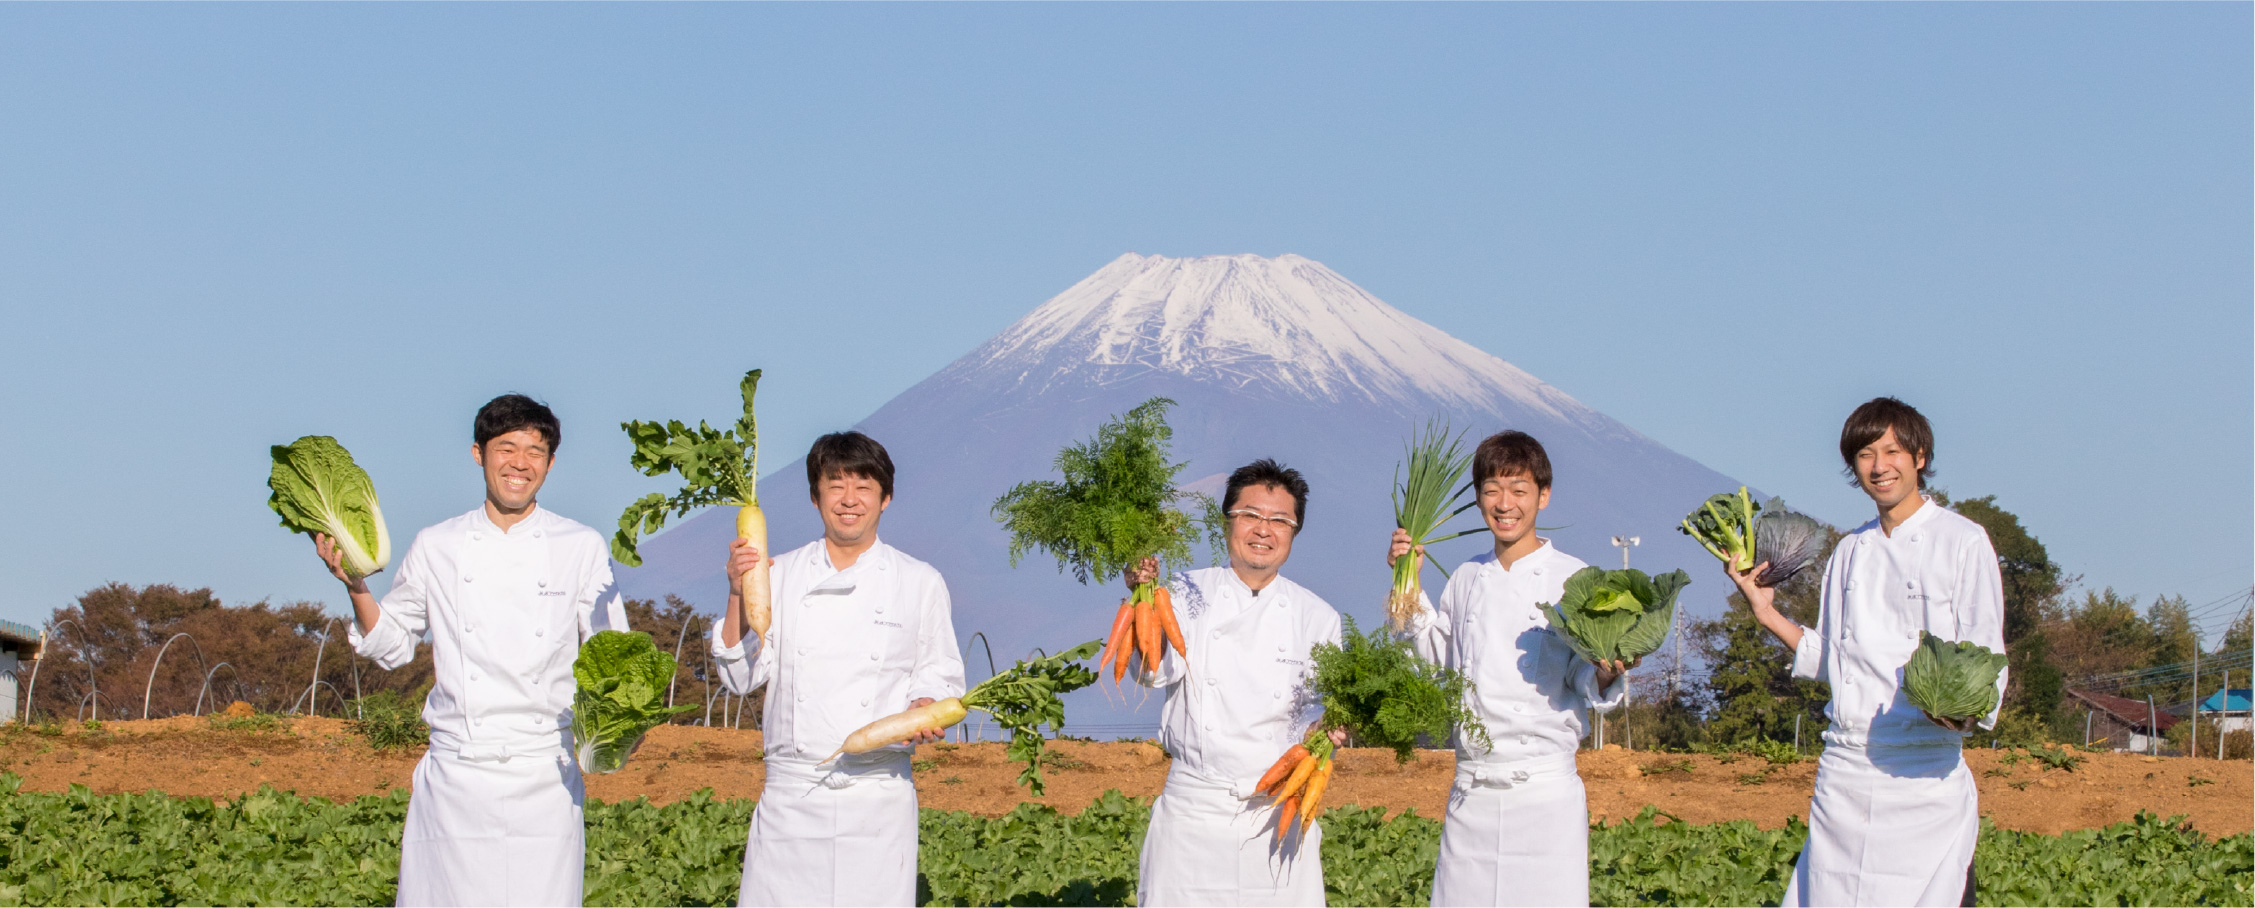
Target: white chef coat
[1517, 828]
[1896, 814]
[846, 648]
[495, 818]
[1232, 708]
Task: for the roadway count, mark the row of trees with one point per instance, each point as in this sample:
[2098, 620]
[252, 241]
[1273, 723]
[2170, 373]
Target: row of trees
[103, 658]
[2056, 638]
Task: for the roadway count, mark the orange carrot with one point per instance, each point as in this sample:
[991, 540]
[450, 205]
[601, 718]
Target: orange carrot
[1127, 644]
[1284, 816]
[1147, 636]
[1314, 798]
[1118, 637]
[1283, 767]
[1164, 603]
[1299, 777]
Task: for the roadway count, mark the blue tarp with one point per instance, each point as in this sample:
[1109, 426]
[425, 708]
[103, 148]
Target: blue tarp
[2235, 700]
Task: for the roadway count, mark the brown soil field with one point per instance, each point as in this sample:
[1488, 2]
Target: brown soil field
[319, 758]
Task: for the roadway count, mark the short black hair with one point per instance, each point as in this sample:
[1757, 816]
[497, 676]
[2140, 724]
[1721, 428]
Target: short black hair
[1267, 472]
[848, 454]
[1870, 423]
[1510, 453]
[511, 412]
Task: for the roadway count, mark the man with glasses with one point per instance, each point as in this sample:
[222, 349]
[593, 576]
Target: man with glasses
[1234, 705]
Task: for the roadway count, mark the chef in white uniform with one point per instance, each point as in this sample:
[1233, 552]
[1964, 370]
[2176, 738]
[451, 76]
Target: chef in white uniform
[1235, 705]
[860, 631]
[1895, 816]
[1517, 827]
[505, 594]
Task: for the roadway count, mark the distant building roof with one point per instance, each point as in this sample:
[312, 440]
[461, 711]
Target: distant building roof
[2130, 712]
[2236, 700]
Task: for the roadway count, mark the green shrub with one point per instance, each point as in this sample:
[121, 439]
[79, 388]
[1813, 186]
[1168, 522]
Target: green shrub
[389, 719]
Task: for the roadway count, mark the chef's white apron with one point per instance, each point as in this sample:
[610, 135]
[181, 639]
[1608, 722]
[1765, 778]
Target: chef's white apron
[842, 833]
[1516, 833]
[1208, 845]
[487, 826]
[1890, 825]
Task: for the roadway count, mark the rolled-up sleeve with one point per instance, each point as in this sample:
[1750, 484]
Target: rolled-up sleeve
[1809, 662]
[740, 670]
[939, 664]
[1429, 629]
[402, 617]
[1585, 684]
[601, 608]
[1980, 608]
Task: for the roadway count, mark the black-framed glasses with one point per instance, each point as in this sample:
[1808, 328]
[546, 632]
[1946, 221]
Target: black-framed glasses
[1274, 522]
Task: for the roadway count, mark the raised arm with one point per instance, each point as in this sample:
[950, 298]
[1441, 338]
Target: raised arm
[386, 633]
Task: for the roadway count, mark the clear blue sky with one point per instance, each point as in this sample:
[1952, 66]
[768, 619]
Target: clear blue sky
[224, 226]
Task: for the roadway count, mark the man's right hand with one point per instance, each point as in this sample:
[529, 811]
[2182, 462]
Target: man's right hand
[1402, 547]
[1143, 572]
[1762, 598]
[335, 559]
[742, 558]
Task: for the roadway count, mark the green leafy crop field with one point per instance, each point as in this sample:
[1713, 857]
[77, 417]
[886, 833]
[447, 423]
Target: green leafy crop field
[271, 848]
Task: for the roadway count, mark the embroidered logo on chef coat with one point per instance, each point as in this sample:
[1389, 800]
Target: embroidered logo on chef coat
[884, 623]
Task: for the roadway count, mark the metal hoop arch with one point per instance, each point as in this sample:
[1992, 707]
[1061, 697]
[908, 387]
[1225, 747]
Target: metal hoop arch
[148, 690]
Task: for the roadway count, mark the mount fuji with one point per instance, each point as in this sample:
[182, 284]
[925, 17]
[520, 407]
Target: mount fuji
[1265, 357]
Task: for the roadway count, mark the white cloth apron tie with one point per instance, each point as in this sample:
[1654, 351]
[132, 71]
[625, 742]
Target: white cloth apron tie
[1501, 774]
[842, 773]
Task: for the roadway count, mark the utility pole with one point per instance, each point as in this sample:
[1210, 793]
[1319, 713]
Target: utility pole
[2193, 749]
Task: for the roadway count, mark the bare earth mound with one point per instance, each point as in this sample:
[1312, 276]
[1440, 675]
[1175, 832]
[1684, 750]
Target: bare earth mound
[319, 758]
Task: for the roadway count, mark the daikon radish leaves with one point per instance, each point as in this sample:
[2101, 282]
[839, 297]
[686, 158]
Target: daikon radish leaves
[621, 696]
[1615, 614]
[717, 466]
[1377, 688]
[318, 489]
[1952, 680]
[1025, 696]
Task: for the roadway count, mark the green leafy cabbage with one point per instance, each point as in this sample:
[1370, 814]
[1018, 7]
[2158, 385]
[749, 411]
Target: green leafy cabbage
[1724, 524]
[318, 489]
[1616, 614]
[1952, 680]
[622, 695]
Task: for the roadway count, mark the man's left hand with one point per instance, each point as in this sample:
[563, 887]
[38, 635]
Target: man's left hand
[1610, 669]
[1960, 726]
[926, 737]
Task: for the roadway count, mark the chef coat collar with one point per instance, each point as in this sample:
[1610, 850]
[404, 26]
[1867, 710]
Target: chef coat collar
[879, 557]
[1925, 510]
[1539, 555]
[534, 520]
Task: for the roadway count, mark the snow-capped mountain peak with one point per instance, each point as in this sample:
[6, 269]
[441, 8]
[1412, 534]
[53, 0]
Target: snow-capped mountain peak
[1287, 326]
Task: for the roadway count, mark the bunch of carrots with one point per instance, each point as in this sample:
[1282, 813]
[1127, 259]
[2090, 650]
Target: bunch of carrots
[1145, 624]
[1297, 780]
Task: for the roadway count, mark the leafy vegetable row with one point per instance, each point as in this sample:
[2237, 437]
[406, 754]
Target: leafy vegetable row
[271, 848]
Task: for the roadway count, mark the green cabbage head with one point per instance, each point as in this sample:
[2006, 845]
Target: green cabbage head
[318, 489]
[1952, 680]
[1616, 614]
[621, 696]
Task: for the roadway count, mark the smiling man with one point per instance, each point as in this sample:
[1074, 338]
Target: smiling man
[1233, 706]
[1895, 815]
[1517, 828]
[505, 594]
[860, 631]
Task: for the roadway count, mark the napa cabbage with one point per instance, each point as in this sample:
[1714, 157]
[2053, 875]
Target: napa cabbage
[621, 696]
[318, 489]
[1620, 614]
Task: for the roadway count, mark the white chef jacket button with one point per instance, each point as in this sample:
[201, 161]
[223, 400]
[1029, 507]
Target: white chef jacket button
[478, 721]
[802, 698]
[536, 534]
[1538, 572]
[1908, 585]
[477, 537]
[543, 582]
[1280, 647]
[470, 629]
[1209, 682]
[880, 610]
[801, 651]
[1216, 635]
[872, 657]
[1276, 695]
[540, 632]
[473, 676]
[468, 579]
[865, 701]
